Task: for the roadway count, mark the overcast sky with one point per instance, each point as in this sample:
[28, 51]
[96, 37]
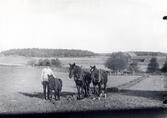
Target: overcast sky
[95, 25]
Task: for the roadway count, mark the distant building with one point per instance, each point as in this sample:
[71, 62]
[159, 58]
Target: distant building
[134, 58]
[138, 59]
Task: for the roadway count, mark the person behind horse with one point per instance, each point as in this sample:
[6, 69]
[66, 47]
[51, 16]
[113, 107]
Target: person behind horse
[44, 79]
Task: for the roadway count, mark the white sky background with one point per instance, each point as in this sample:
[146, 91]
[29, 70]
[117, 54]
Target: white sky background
[95, 25]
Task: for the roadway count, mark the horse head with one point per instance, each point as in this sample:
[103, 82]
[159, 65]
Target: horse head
[92, 68]
[94, 73]
[50, 76]
[71, 70]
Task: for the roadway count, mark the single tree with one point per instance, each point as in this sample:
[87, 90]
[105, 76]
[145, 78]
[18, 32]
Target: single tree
[153, 66]
[164, 68]
[117, 62]
[56, 62]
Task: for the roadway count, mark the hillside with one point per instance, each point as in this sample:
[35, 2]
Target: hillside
[35, 52]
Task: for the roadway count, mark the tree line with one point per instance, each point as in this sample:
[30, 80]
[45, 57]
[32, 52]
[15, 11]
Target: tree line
[35, 52]
[143, 53]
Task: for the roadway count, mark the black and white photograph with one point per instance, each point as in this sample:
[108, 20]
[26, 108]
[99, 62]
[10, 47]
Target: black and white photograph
[83, 58]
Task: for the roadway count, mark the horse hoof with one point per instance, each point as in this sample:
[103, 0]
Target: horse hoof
[105, 96]
[165, 102]
[101, 95]
[94, 98]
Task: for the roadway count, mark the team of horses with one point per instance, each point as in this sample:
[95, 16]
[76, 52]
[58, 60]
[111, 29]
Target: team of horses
[83, 78]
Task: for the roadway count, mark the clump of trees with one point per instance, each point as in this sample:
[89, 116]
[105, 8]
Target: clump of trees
[43, 62]
[117, 62]
[153, 65]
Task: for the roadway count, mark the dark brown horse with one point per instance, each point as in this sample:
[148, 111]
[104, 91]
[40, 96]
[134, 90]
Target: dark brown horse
[82, 79]
[55, 84]
[99, 79]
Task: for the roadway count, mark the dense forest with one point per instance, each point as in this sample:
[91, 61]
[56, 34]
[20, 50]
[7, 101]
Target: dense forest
[35, 52]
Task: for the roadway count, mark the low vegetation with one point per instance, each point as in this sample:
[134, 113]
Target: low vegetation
[43, 62]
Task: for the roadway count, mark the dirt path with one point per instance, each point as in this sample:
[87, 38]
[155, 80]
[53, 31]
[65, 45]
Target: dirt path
[131, 83]
[151, 83]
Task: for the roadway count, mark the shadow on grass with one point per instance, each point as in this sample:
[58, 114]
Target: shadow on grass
[41, 96]
[155, 95]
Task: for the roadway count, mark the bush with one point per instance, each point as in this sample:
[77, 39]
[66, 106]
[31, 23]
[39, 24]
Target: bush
[164, 68]
[40, 62]
[117, 62]
[56, 62]
[153, 66]
[44, 62]
[32, 62]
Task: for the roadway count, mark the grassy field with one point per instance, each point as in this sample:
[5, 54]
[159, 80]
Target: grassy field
[21, 90]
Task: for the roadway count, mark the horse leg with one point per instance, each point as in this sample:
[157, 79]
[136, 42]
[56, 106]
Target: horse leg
[88, 90]
[82, 91]
[55, 94]
[58, 94]
[105, 91]
[100, 93]
[94, 89]
[49, 93]
[85, 88]
[78, 89]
